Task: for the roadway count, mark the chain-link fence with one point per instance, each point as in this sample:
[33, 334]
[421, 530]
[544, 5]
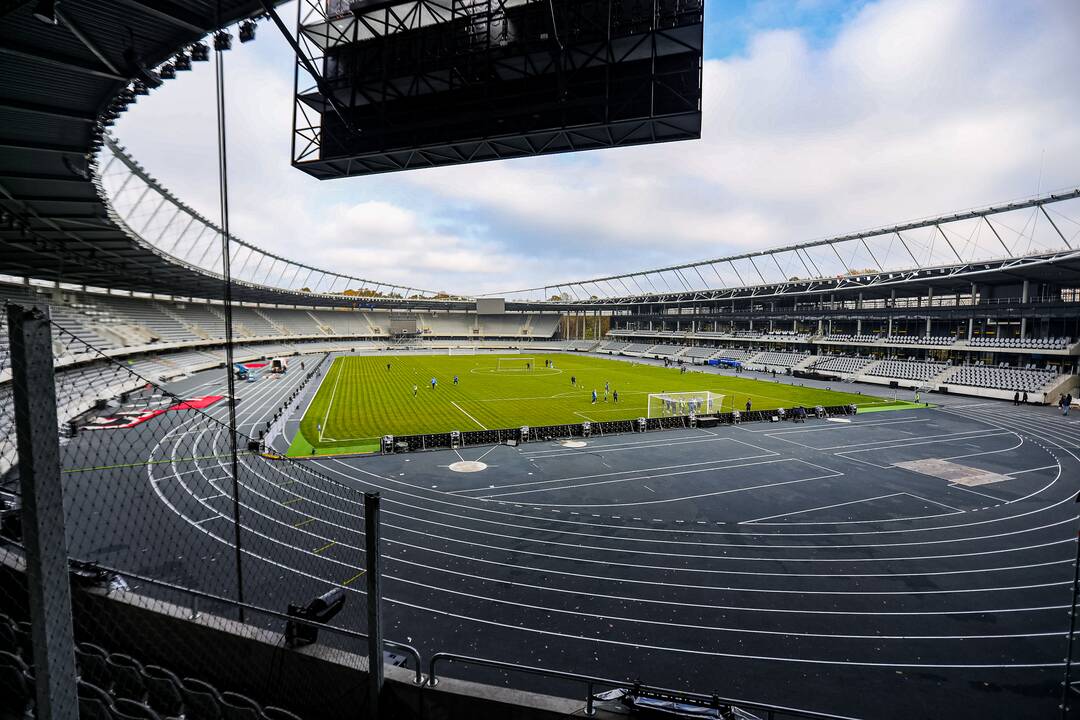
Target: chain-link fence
[193, 570]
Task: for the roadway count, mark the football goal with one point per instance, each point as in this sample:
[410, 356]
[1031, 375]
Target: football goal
[461, 350]
[515, 364]
[677, 404]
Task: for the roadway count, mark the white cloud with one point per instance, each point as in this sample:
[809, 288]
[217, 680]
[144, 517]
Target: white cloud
[916, 107]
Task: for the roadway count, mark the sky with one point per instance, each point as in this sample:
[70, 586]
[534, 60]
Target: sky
[821, 117]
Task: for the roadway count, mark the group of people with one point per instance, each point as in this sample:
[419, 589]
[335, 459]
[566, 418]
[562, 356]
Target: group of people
[607, 389]
[1064, 402]
[1017, 398]
[434, 382]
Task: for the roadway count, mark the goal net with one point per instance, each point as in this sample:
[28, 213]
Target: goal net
[677, 404]
[461, 350]
[515, 363]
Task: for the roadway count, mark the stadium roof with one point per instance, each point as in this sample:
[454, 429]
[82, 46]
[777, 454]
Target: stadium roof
[56, 81]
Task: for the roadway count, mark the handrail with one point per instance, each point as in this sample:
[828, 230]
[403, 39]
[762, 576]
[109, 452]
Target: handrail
[590, 682]
[418, 679]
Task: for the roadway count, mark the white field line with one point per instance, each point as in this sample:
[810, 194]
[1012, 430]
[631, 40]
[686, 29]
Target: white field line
[482, 427]
[330, 404]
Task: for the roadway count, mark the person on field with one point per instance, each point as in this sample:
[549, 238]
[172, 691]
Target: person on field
[605, 394]
[433, 382]
[387, 367]
[1025, 397]
[917, 396]
[1016, 398]
[414, 391]
[573, 380]
[1068, 404]
[615, 396]
[607, 386]
[748, 406]
[594, 397]
[455, 379]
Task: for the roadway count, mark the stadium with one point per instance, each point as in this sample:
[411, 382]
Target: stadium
[828, 479]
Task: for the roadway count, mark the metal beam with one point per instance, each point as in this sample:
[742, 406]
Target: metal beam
[47, 110]
[172, 14]
[84, 39]
[65, 63]
[42, 147]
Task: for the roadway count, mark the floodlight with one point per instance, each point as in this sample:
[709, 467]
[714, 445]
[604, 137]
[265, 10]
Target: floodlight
[247, 31]
[140, 88]
[321, 610]
[45, 11]
[200, 52]
[167, 71]
[137, 70]
[182, 62]
[222, 40]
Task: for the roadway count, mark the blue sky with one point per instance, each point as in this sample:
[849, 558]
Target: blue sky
[821, 117]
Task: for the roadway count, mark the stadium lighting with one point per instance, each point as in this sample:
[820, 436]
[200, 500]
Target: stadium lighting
[167, 71]
[45, 11]
[140, 88]
[182, 62]
[321, 610]
[222, 41]
[247, 31]
[200, 52]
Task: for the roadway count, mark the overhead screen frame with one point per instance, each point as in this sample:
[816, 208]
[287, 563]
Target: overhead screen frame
[529, 77]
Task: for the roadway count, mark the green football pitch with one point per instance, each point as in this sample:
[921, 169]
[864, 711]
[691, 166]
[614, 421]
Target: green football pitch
[360, 400]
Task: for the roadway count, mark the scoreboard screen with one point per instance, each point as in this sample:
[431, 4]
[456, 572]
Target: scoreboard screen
[427, 83]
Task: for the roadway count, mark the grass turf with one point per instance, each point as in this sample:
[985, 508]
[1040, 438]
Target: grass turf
[359, 400]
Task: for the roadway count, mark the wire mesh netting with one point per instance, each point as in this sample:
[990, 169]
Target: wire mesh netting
[184, 558]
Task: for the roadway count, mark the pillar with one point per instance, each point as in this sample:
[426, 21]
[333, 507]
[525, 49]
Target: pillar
[42, 491]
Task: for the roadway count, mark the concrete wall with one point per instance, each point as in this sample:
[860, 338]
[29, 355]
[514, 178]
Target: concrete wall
[317, 682]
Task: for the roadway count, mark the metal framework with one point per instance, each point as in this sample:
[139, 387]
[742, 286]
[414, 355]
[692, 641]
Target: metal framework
[1035, 231]
[387, 86]
[155, 217]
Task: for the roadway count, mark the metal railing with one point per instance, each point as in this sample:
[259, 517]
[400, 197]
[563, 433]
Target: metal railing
[772, 712]
[196, 595]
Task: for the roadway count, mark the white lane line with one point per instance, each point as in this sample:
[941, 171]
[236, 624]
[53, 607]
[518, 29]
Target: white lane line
[635, 478]
[935, 502]
[713, 465]
[1021, 472]
[482, 426]
[985, 495]
[552, 633]
[493, 447]
[823, 507]
[694, 497]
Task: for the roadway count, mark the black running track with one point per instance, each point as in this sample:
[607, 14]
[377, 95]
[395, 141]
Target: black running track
[789, 564]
